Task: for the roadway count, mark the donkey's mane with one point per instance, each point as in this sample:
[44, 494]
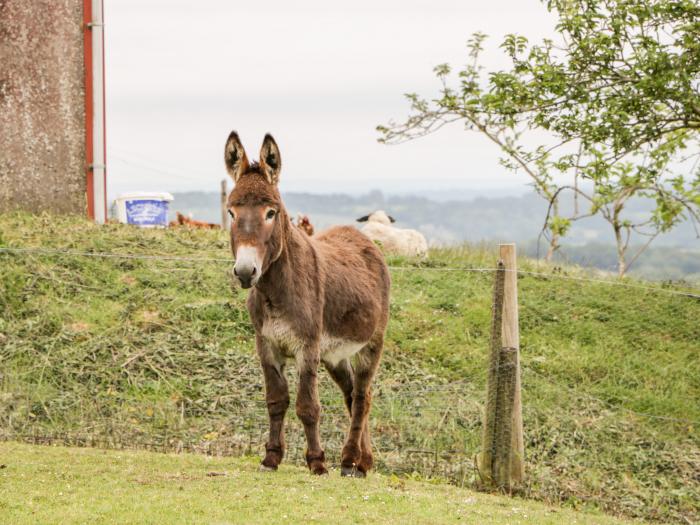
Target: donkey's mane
[254, 167]
[253, 189]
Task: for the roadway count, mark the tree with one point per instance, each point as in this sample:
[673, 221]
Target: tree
[617, 99]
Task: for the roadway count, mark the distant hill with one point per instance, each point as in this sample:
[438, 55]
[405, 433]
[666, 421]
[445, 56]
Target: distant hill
[675, 255]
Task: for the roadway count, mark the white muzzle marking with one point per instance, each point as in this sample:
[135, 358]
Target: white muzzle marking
[247, 267]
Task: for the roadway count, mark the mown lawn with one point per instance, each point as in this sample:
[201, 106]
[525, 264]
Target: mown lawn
[76, 485]
[159, 354]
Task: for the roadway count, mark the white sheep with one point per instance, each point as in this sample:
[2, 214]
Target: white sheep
[397, 241]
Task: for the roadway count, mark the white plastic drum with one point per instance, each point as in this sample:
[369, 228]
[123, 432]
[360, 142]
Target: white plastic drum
[145, 209]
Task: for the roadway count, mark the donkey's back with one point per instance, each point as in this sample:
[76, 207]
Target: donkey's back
[356, 284]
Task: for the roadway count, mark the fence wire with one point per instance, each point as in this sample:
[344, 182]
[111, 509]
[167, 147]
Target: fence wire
[415, 267]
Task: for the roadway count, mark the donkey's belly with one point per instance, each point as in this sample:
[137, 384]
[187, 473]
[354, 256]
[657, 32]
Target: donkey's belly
[282, 336]
[334, 349]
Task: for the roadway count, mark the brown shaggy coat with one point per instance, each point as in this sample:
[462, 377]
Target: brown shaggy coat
[322, 299]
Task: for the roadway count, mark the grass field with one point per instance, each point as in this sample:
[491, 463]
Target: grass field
[71, 485]
[158, 354]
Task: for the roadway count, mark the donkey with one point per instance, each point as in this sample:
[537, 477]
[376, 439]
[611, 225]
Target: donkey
[322, 299]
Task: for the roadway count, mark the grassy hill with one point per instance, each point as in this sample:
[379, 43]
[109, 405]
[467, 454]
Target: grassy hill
[158, 354]
[140, 487]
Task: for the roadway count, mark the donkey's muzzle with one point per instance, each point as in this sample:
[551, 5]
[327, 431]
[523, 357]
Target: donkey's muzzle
[246, 274]
[247, 266]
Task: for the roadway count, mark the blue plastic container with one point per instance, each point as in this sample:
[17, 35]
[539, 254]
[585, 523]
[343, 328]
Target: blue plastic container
[147, 210]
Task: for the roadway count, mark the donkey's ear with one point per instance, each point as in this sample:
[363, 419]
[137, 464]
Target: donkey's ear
[270, 159]
[391, 218]
[364, 218]
[235, 157]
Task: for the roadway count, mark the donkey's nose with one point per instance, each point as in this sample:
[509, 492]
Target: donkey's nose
[246, 273]
[247, 266]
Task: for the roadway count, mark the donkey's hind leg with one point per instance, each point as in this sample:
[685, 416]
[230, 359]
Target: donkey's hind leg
[357, 453]
[341, 373]
[366, 457]
[277, 398]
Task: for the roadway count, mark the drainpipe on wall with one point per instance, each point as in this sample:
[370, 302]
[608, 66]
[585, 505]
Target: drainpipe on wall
[95, 144]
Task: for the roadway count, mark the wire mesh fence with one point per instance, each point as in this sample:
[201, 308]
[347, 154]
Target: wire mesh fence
[144, 350]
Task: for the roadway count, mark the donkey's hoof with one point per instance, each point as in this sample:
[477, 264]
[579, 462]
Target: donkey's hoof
[319, 471]
[265, 468]
[352, 472]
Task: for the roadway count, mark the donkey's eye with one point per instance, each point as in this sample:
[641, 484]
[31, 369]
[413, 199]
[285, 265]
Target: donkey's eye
[270, 214]
[233, 215]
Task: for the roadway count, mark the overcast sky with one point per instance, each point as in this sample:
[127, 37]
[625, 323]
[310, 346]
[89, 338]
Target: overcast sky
[318, 75]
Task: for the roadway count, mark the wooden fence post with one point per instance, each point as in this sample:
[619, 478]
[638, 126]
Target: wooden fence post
[511, 340]
[224, 210]
[501, 462]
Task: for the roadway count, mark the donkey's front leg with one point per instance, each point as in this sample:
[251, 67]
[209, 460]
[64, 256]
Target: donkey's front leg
[309, 408]
[277, 398]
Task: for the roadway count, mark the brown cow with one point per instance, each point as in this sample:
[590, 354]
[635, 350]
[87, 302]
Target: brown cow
[313, 299]
[304, 224]
[191, 223]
